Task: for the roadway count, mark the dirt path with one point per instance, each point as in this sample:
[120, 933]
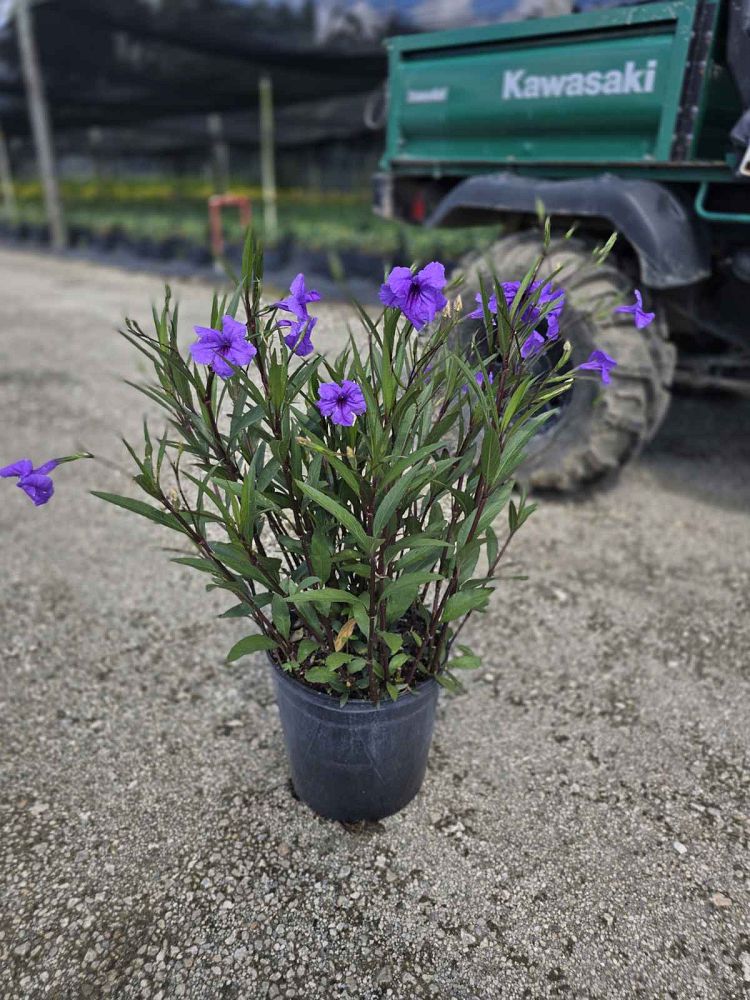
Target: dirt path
[583, 828]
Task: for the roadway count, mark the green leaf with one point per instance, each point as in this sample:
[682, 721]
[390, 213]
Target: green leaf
[393, 640]
[320, 675]
[390, 502]
[342, 515]
[277, 379]
[204, 565]
[280, 615]
[320, 556]
[490, 541]
[238, 611]
[489, 460]
[360, 615]
[467, 662]
[306, 647]
[247, 420]
[335, 660]
[139, 507]
[462, 603]
[467, 561]
[420, 541]
[236, 559]
[495, 504]
[397, 661]
[448, 682]
[397, 470]
[409, 582]
[347, 473]
[331, 594]
[393, 690]
[250, 644]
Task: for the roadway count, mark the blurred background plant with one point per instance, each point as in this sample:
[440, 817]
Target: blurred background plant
[162, 208]
[119, 119]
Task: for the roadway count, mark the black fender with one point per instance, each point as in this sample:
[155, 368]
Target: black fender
[665, 235]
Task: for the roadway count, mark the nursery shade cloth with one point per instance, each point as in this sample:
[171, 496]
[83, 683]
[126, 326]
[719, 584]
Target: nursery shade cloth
[111, 63]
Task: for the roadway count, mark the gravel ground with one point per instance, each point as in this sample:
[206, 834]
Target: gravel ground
[582, 831]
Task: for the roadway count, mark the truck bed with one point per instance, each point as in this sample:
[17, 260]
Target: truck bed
[637, 85]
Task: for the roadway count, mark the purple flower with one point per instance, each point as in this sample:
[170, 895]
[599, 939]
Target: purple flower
[296, 301]
[479, 379]
[419, 296]
[491, 306]
[600, 362]
[298, 341]
[533, 344]
[642, 318]
[342, 403]
[216, 348]
[35, 483]
[532, 313]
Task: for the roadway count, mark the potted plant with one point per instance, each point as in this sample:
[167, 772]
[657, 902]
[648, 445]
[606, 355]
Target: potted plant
[349, 506]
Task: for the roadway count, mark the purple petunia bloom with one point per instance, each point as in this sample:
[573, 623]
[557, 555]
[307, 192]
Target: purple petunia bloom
[296, 301]
[342, 403]
[600, 362]
[35, 483]
[419, 296]
[532, 345]
[298, 341]
[216, 348]
[639, 314]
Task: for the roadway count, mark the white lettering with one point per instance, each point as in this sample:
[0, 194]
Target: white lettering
[648, 82]
[574, 85]
[511, 83]
[436, 95]
[593, 83]
[612, 82]
[551, 86]
[633, 79]
[518, 85]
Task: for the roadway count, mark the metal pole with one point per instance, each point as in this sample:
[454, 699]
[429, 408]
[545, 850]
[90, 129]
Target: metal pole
[10, 208]
[267, 160]
[40, 124]
[219, 153]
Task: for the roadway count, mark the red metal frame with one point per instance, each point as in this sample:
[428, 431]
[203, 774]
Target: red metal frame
[215, 204]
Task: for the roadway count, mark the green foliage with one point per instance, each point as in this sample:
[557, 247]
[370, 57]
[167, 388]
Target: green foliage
[171, 207]
[358, 552]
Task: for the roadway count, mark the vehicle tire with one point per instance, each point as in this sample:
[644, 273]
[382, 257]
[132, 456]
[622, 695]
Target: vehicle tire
[597, 428]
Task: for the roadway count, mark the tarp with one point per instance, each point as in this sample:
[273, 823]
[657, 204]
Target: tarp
[127, 63]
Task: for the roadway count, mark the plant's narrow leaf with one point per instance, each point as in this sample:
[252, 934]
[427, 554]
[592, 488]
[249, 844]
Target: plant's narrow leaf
[344, 634]
[250, 644]
[343, 516]
[280, 615]
[463, 602]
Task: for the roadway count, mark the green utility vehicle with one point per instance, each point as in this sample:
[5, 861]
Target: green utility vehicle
[633, 119]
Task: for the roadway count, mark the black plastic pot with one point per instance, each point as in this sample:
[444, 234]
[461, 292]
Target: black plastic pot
[359, 761]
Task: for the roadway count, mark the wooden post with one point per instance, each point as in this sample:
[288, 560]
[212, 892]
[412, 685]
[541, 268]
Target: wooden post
[219, 154]
[10, 209]
[94, 136]
[267, 159]
[40, 123]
